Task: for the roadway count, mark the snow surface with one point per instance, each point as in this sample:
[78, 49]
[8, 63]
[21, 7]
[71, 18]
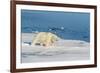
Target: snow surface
[62, 50]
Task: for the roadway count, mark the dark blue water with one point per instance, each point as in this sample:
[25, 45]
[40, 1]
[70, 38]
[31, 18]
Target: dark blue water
[67, 25]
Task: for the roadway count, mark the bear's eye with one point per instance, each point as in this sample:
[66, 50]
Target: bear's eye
[37, 43]
[44, 45]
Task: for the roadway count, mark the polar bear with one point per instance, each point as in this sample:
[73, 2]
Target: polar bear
[44, 39]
